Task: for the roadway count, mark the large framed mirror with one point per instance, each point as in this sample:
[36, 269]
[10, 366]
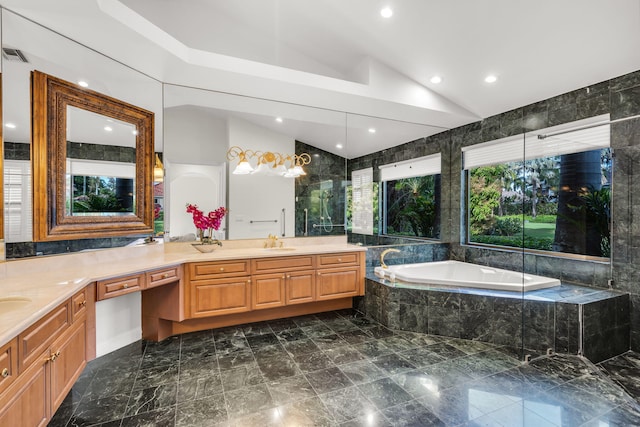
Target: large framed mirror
[92, 159]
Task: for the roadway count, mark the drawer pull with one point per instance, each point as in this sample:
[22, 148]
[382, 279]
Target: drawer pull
[339, 259]
[5, 373]
[165, 275]
[288, 276]
[83, 303]
[54, 356]
[221, 268]
[125, 286]
[249, 281]
[284, 277]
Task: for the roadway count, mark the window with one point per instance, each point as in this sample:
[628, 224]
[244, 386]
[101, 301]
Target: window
[411, 197]
[17, 200]
[550, 194]
[362, 201]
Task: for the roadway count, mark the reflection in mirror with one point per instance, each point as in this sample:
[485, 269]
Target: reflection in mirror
[55, 172]
[41, 49]
[201, 126]
[101, 164]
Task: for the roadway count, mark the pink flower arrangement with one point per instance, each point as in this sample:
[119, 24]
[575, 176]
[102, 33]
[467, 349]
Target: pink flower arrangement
[206, 224]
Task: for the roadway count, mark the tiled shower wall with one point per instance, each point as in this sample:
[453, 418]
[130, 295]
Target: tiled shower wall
[620, 97]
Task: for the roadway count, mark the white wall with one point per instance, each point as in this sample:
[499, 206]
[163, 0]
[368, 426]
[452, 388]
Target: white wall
[118, 322]
[193, 136]
[259, 198]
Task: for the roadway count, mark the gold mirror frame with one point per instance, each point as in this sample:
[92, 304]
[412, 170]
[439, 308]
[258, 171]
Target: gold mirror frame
[50, 97]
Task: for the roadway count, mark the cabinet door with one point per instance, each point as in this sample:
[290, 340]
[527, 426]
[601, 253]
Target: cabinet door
[26, 402]
[300, 287]
[68, 359]
[267, 291]
[216, 297]
[337, 282]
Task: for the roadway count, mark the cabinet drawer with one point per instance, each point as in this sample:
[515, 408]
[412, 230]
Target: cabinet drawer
[119, 286]
[78, 305]
[217, 297]
[212, 270]
[163, 276]
[337, 260]
[8, 364]
[276, 265]
[34, 341]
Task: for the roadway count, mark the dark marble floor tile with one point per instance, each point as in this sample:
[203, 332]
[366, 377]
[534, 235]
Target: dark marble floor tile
[100, 410]
[421, 340]
[529, 379]
[198, 368]
[450, 405]
[151, 399]
[160, 358]
[156, 376]
[328, 380]
[198, 388]
[258, 341]
[373, 349]
[444, 375]
[420, 357]
[236, 359]
[384, 393]
[307, 320]
[446, 350]
[362, 372]
[65, 411]
[482, 365]
[515, 415]
[227, 333]
[288, 335]
[317, 330]
[270, 351]
[197, 351]
[290, 389]
[562, 367]
[470, 347]
[569, 397]
[347, 404]
[372, 419]
[397, 343]
[412, 413]
[345, 354]
[416, 383]
[302, 346]
[244, 401]
[275, 368]
[622, 416]
[602, 387]
[230, 345]
[309, 412]
[242, 376]
[392, 364]
[280, 325]
[378, 331]
[341, 325]
[202, 412]
[309, 362]
[265, 418]
[109, 383]
[327, 342]
[258, 328]
[355, 336]
[362, 321]
[162, 417]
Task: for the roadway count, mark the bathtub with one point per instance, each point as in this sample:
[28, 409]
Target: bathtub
[462, 274]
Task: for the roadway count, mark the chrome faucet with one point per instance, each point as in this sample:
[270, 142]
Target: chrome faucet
[386, 251]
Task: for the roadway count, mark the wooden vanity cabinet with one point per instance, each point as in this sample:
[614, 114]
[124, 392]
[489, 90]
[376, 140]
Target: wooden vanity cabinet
[51, 355]
[282, 281]
[117, 286]
[339, 275]
[218, 288]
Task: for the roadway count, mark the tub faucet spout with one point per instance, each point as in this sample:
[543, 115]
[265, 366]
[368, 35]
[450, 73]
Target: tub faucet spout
[386, 251]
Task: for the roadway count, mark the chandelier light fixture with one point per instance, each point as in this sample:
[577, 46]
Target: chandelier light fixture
[268, 162]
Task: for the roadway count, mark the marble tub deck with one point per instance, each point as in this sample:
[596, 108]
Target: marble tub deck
[344, 369]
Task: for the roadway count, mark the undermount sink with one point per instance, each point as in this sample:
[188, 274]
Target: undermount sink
[280, 249]
[13, 303]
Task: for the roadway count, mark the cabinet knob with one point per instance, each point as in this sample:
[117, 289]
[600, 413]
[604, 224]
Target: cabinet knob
[82, 304]
[5, 373]
[288, 276]
[319, 273]
[249, 281]
[284, 277]
[54, 356]
[165, 275]
[125, 286]
[221, 268]
[339, 259]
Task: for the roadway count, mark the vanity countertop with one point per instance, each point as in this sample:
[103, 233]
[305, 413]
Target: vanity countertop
[31, 288]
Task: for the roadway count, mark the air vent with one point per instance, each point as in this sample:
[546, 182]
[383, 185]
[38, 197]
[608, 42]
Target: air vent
[13, 55]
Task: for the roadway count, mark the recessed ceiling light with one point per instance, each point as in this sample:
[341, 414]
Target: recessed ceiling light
[10, 125]
[108, 128]
[436, 79]
[386, 12]
[279, 119]
[339, 146]
[83, 83]
[372, 130]
[490, 78]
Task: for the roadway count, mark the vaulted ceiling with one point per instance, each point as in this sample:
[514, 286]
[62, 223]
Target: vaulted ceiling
[344, 56]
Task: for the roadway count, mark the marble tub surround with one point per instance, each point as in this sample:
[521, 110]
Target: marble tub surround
[539, 320]
[344, 369]
[48, 281]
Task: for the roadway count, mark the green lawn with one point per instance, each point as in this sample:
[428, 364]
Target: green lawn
[539, 230]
